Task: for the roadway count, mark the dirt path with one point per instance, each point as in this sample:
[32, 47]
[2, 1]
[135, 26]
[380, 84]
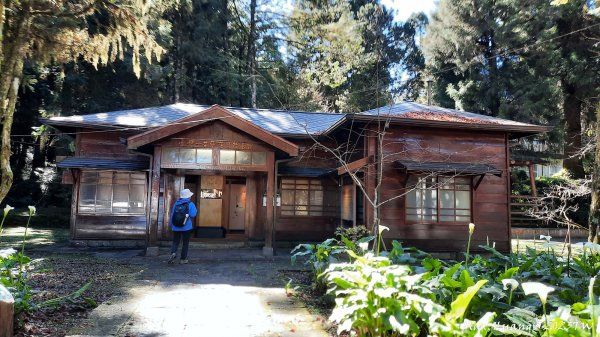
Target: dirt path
[220, 293]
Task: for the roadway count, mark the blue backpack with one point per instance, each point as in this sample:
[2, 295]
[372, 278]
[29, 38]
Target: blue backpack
[180, 214]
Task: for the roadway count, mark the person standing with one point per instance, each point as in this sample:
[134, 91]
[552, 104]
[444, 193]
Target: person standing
[182, 214]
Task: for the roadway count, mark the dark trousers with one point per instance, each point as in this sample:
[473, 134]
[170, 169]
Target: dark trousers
[178, 236]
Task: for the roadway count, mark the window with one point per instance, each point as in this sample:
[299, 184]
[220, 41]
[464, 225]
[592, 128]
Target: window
[238, 157]
[438, 199]
[109, 192]
[182, 155]
[308, 197]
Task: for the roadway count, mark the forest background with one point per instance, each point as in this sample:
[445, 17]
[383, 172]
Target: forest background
[534, 61]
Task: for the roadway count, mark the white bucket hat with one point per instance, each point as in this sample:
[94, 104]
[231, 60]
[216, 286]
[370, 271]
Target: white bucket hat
[186, 193]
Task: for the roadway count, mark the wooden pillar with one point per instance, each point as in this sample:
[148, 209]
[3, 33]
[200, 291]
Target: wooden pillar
[268, 249]
[532, 180]
[7, 304]
[508, 190]
[155, 192]
[74, 201]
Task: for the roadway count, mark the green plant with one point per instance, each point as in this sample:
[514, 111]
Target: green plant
[318, 257]
[377, 298]
[352, 233]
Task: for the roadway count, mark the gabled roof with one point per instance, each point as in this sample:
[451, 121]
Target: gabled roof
[281, 122]
[213, 113]
[421, 114]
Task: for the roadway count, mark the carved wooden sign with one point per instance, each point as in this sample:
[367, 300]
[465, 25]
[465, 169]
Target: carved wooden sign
[222, 167]
[213, 144]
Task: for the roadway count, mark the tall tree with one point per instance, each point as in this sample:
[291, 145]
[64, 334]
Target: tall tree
[98, 31]
[527, 61]
[344, 52]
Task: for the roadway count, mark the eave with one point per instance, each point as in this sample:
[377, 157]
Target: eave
[213, 113]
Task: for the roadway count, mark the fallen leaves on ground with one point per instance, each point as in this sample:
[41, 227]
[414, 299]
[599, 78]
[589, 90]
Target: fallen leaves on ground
[60, 275]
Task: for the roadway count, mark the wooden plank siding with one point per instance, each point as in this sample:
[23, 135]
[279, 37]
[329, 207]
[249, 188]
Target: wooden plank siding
[489, 200]
[95, 144]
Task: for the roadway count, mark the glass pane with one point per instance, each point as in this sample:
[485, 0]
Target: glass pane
[259, 158]
[121, 196]
[463, 187]
[447, 199]
[301, 197]
[105, 177]
[445, 183]
[187, 155]
[170, 155]
[137, 210]
[411, 199]
[87, 194]
[227, 157]
[446, 218]
[137, 193]
[430, 198]
[103, 206]
[463, 212]
[86, 209]
[462, 180]
[138, 178]
[204, 156]
[463, 199]
[446, 211]
[316, 197]
[302, 181]
[302, 187]
[104, 192]
[121, 178]
[463, 218]
[287, 197]
[89, 177]
[243, 158]
[287, 212]
[413, 217]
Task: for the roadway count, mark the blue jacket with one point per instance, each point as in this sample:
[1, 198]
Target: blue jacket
[192, 212]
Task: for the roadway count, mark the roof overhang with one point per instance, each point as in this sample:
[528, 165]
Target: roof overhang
[213, 113]
[311, 172]
[464, 169]
[104, 163]
[517, 130]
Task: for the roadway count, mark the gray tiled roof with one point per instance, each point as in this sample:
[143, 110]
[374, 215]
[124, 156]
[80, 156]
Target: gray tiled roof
[281, 122]
[428, 112]
[274, 121]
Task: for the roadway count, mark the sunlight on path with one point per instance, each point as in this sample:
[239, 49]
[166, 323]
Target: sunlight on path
[219, 310]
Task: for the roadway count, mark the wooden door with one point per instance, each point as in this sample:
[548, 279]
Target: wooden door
[211, 190]
[237, 207]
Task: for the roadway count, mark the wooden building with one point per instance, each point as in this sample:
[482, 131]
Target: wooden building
[269, 176]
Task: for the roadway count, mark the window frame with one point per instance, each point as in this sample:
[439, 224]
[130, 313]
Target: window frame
[116, 178]
[438, 207]
[313, 210]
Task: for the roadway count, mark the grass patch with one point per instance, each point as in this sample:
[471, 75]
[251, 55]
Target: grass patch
[12, 237]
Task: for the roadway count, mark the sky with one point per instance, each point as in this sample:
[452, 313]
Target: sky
[404, 8]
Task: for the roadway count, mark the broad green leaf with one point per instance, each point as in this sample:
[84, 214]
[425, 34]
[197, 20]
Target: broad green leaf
[460, 305]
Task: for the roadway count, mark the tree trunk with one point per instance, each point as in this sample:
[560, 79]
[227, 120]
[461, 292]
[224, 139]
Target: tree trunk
[251, 64]
[12, 70]
[572, 107]
[594, 219]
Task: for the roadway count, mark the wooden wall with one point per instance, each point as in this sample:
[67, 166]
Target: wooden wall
[489, 200]
[310, 228]
[92, 143]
